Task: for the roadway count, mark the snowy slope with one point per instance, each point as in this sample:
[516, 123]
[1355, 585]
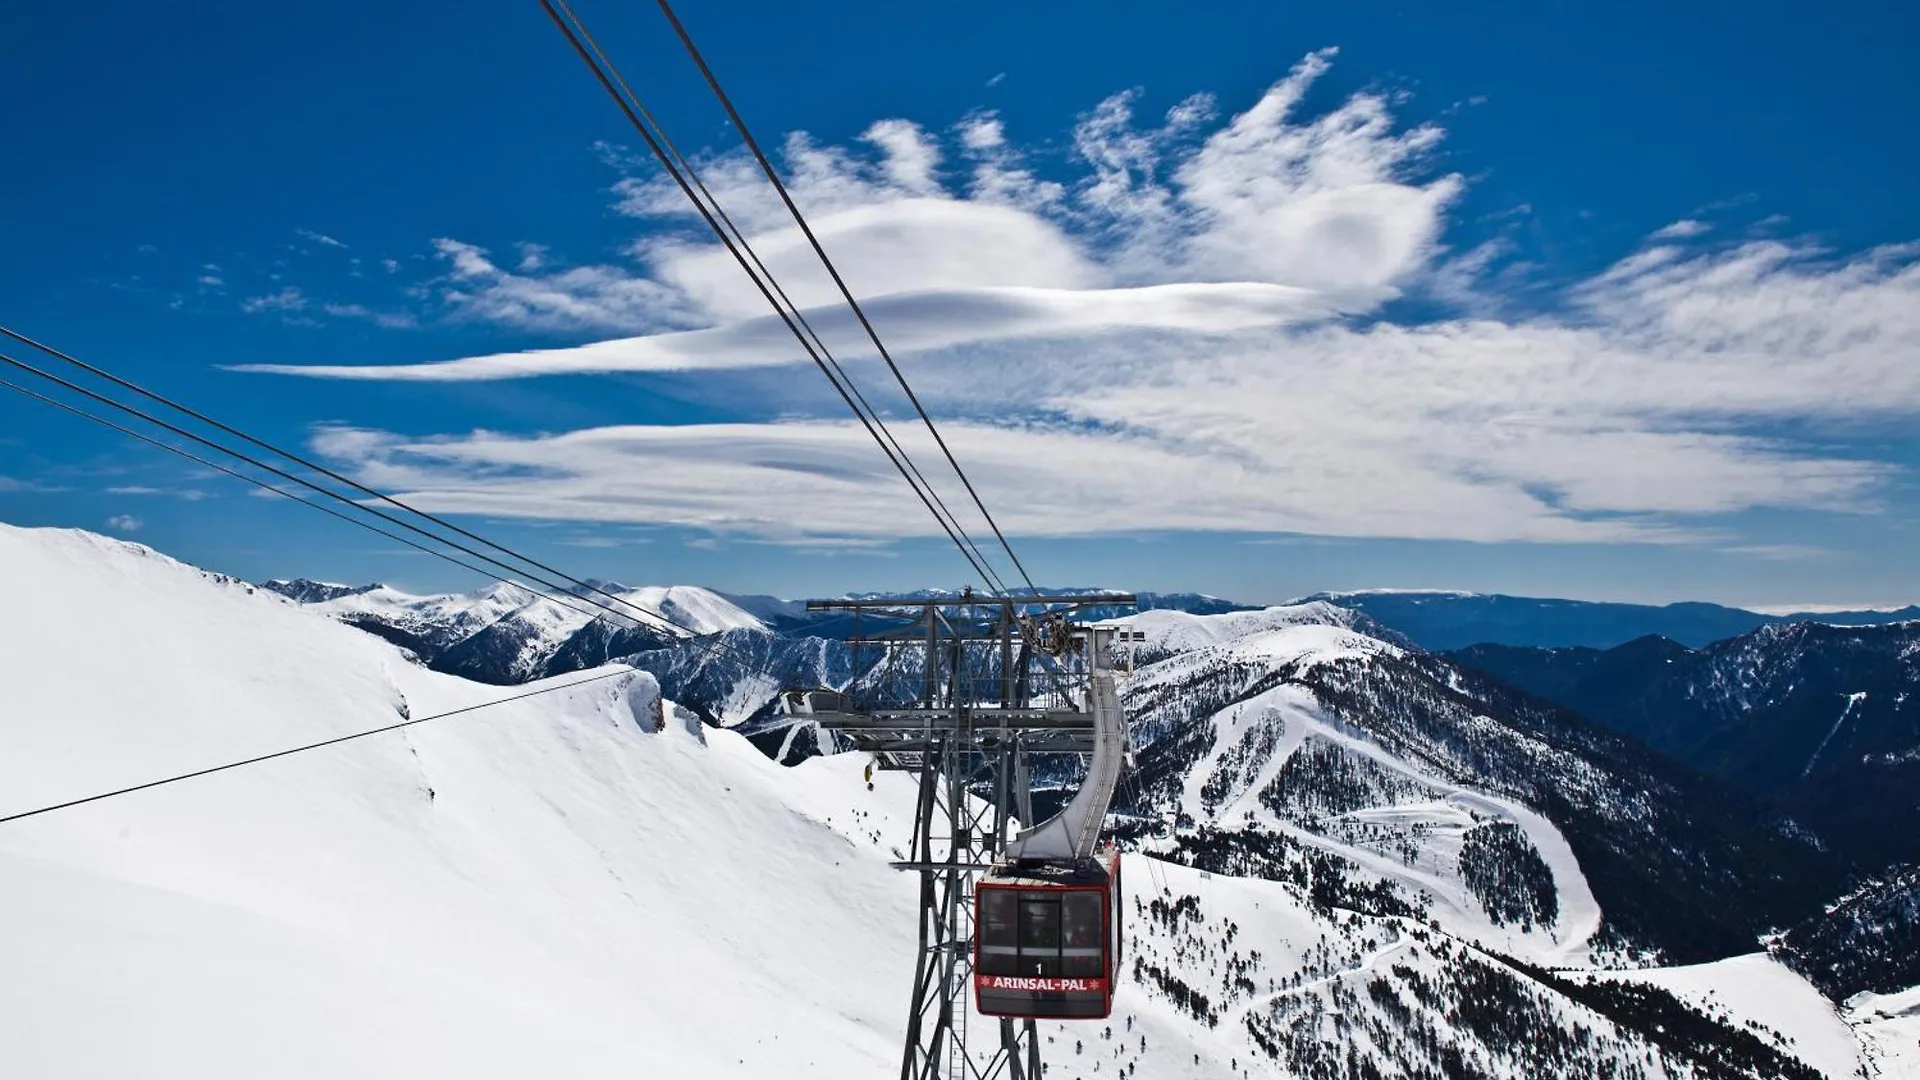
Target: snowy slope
[545, 888]
[474, 609]
[1758, 987]
[586, 883]
[699, 610]
[1397, 820]
[1167, 631]
[1888, 1026]
[505, 635]
[549, 887]
[694, 609]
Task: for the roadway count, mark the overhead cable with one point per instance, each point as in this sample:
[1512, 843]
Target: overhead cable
[773, 175]
[759, 270]
[310, 746]
[263, 485]
[321, 469]
[672, 628]
[611, 83]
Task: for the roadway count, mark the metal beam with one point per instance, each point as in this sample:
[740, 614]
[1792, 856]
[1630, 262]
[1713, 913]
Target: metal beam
[949, 722]
[982, 601]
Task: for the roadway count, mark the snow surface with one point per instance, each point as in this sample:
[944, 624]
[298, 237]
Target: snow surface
[1303, 636]
[693, 609]
[548, 887]
[1888, 1026]
[1167, 630]
[1438, 823]
[1853, 700]
[1438, 593]
[701, 611]
[560, 886]
[1758, 987]
[456, 615]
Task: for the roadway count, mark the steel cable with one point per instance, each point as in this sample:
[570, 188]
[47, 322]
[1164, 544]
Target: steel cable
[766, 166]
[607, 80]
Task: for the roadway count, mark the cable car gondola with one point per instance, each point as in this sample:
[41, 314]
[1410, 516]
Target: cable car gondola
[1047, 918]
[1048, 939]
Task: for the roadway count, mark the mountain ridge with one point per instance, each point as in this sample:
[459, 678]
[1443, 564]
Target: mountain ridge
[583, 880]
[1822, 720]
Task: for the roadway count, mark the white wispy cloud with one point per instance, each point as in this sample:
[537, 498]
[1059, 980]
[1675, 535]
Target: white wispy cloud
[916, 321]
[1682, 229]
[188, 494]
[124, 523]
[287, 299]
[319, 238]
[1188, 336]
[391, 320]
[603, 542]
[576, 298]
[819, 479]
[1779, 552]
[13, 485]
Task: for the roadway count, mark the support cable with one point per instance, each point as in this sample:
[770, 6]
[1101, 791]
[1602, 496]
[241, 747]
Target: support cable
[263, 485]
[310, 746]
[654, 144]
[717, 641]
[759, 269]
[713, 645]
[554, 593]
[766, 166]
[672, 628]
[321, 469]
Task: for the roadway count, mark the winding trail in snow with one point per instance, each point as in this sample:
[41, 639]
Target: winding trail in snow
[1300, 712]
[1366, 964]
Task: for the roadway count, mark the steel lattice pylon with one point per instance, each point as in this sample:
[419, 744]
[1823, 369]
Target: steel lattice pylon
[964, 693]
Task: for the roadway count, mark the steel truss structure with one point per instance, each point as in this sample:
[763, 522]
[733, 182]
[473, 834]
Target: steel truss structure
[963, 693]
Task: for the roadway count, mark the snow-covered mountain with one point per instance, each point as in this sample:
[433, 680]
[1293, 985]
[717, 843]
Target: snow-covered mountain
[1386, 867]
[1866, 942]
[571, 885]
[1507, 819]
[307, 591]
[505, 634]
[1169, 631]
[1441, 620]
[1822, 720]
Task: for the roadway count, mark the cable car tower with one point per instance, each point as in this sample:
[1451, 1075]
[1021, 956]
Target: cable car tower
[974, 696]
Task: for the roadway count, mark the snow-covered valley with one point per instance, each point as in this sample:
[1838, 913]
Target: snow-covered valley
[591, 881]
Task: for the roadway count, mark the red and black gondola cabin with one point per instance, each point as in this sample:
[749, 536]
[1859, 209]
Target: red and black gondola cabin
[1047, 939]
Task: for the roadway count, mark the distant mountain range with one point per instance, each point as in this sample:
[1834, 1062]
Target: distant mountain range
[1435, 620]
[1440, 621]
[1824, 721]
[1787, 752]
[1347, 856]
[1296, 744]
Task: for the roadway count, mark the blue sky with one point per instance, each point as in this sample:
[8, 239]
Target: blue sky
[1589, 300]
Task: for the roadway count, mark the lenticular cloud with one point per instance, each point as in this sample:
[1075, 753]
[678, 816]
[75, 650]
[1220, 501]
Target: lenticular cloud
[1186, 330]
[1265, 221]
